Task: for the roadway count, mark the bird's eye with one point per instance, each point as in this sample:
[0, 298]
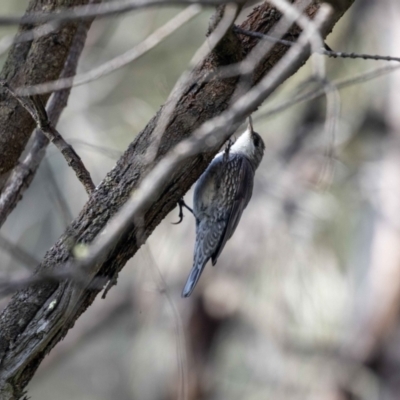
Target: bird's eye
[256, 140]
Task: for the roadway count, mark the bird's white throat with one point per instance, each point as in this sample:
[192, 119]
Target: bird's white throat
[244, 144]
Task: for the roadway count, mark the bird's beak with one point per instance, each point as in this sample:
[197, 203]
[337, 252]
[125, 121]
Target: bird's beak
[250, 125]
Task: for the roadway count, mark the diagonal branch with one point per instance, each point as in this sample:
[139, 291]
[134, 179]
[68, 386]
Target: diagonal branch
[320, 92]
[101, 10]
[35, 107]
[118, 62]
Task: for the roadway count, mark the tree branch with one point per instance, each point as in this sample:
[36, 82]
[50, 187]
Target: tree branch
[48, 55]
[33, 105]
[118, 62]
[23, 174]
[100, 10]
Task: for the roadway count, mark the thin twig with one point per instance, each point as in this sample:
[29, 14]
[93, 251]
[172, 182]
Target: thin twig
[258, 53]
[340, 54]
[118, 62]
[319, 69]
[100, 10]
[222, 28]
[259, 35]
[159, 35]
[35, 107]
[304, 22]
[339, 84]
[325, 52]
[247, 66]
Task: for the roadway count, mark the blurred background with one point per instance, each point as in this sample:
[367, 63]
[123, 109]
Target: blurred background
[312, 271]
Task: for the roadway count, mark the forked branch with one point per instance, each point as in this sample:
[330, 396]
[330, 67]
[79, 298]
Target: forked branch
[36, 108]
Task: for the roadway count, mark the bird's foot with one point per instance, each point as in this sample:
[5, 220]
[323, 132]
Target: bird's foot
[181, 204]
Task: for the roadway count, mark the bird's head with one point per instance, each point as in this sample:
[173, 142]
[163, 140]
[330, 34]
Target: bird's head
[250, 144]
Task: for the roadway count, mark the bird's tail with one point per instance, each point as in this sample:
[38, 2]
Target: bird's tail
[193, 278]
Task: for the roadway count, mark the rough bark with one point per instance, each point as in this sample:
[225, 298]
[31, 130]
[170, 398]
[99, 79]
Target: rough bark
[33, 62]
[40, 315]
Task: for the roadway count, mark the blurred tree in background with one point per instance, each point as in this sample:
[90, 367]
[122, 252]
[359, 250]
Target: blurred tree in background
[304, 300]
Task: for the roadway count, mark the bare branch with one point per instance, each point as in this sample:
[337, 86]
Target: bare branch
[118, 62]
[325, 52]
[48, 56]
[101, 10]
[23, 174]
[305, 23]
[35, 107]
[319, 92]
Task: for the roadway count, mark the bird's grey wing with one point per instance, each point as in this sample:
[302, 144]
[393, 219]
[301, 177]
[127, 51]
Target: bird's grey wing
[206, 189]
[243, 180]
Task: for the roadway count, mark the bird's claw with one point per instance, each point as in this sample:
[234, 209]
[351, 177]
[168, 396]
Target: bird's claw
[181, 204]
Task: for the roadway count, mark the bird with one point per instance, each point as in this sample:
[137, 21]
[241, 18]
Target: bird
[221, 194]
